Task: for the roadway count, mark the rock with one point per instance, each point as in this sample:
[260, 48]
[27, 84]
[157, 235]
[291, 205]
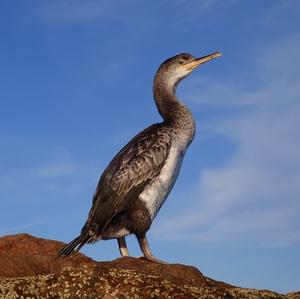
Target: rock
[24, 255]
[30, 267]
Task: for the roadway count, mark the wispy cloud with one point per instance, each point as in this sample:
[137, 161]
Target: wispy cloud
[56, 170]
[56, 177]
[82, 11]
[203, 5]
[22, 227]
[76, 11]
[188, 12]
[254, 196]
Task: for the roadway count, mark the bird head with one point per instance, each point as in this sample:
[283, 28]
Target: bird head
[174, 69]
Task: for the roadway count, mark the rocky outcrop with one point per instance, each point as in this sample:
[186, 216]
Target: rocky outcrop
[30, 268]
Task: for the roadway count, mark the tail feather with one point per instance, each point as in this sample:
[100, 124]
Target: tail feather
[77, 242]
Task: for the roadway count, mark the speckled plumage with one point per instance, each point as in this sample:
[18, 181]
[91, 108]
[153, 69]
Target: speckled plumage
[137, 181]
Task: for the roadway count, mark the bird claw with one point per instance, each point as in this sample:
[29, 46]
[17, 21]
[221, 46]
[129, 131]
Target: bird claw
[153, 259]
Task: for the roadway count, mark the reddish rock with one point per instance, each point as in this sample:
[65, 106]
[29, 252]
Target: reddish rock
[30, 267]
[24, 255]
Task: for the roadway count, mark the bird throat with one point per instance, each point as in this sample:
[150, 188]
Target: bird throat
[168, 105]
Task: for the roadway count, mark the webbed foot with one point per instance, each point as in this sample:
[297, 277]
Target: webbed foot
[146, 251]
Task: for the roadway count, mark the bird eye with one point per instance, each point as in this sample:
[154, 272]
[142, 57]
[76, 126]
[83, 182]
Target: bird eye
[183, 59]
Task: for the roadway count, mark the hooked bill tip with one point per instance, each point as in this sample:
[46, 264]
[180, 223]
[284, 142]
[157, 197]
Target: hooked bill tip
[217, 54]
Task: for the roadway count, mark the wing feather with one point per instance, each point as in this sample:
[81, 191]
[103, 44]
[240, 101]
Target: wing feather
[127, 175]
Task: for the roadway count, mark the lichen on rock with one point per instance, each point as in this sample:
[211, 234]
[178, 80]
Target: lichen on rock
[30, 268]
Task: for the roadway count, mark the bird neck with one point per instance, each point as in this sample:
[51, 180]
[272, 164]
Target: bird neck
[170, 108]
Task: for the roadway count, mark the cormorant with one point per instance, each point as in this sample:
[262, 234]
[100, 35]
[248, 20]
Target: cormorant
[138, 180]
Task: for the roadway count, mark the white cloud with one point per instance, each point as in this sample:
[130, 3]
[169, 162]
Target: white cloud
[185, 6]
[56, 170]
[22, 227]
[56, 178]
[124, 11]
[82, 11]
[254, 197]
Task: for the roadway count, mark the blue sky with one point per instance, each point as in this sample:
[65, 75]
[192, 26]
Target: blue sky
[76, 85]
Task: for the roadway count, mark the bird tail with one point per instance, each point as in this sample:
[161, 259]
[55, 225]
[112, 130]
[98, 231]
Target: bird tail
[77, 242]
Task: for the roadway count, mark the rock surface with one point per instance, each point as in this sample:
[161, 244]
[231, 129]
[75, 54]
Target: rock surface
[30, 268]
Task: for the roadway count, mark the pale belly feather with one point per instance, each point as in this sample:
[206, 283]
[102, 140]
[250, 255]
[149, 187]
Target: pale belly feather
[156, 193]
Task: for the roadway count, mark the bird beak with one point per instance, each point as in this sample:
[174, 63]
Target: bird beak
[195, 63]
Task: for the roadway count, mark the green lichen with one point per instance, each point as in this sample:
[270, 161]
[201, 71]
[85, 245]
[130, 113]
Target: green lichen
[89, 282]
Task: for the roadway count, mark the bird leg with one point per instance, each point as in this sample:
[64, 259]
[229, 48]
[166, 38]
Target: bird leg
[123, 247]
[146, 251]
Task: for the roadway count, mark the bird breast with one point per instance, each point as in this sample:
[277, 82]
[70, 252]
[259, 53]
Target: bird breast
[155, 194]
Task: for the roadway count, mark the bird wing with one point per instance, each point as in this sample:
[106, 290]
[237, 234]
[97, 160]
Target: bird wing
[139, 162]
